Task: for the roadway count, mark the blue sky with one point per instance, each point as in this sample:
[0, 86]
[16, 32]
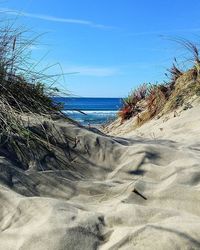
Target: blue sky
[111, 46]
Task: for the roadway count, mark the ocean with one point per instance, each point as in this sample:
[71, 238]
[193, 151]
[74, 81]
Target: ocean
[95, 111]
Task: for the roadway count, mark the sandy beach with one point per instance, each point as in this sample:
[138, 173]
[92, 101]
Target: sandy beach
[136, 191]
[99, 125]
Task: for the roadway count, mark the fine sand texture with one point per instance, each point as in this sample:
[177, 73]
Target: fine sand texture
[140, 191]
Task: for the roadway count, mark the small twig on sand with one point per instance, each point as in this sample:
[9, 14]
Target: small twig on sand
[136, 192]
[76, 141]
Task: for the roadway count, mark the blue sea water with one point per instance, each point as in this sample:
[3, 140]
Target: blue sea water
[96, 111]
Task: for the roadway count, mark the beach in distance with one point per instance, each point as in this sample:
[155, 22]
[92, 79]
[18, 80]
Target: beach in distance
[90, 110]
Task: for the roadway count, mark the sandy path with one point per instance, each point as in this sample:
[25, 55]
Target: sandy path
[93, 206]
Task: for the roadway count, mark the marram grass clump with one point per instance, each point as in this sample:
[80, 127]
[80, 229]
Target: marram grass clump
[150, 100]
[149, 97]
[25, 100]
[23, 87]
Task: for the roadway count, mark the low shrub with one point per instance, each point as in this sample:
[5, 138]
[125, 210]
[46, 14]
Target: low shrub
[156, 99]
[130, 104]
[151, 97]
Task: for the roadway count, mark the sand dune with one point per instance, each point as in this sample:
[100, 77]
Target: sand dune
[133, 192]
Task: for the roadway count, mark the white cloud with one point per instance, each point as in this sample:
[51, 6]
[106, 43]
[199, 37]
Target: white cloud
[52, 18]
[92, 71]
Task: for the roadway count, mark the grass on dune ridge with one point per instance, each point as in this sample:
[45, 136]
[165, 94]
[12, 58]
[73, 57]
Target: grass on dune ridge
[149, 100]
[26, 106]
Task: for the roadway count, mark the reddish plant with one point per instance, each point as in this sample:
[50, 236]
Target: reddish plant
[156, 99]
[126, 112]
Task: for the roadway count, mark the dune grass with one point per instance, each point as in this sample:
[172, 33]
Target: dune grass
[25, 100]
[149, 100]
[20, 85]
